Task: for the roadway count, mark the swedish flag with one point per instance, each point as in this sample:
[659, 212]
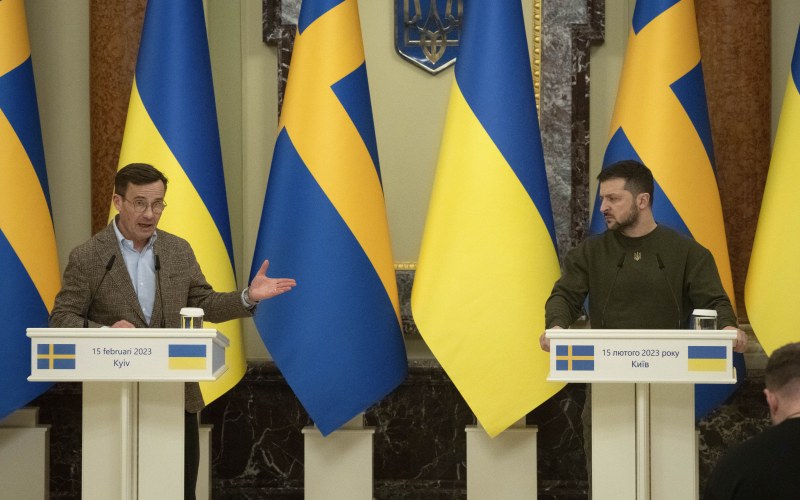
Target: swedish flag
[28, 253]
[488, 258]
[336, 338]
[575, 358]
[172, 124]
[55, 356]
[661, 119]
[773, 275]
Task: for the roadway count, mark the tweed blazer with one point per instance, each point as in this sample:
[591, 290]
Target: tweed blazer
[179, 283]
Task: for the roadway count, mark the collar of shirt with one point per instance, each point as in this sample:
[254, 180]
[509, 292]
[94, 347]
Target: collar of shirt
[126, 244]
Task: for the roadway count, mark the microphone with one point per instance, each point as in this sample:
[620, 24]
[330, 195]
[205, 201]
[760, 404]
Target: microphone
[160, 297]
[611, 289]
[671, 291]
[94, 292]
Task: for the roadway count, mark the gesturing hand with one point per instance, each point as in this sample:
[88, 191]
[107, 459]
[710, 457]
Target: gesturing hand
[263, 287]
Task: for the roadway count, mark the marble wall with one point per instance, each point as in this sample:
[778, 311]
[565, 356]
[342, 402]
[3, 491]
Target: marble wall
[569, 28]
[419, 443]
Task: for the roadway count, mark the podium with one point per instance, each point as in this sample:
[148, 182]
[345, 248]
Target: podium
[133, 400]
[644, 444]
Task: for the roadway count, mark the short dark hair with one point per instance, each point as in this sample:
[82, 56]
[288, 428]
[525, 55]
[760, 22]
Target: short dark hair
[638, 178]
[137, 174]
[783, 367]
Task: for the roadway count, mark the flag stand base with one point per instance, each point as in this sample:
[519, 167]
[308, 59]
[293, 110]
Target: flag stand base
[24, 455]
[339, 466]
[503, 466]
[204, 488]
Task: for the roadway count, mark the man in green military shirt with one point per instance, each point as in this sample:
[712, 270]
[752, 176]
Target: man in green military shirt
[638, 274]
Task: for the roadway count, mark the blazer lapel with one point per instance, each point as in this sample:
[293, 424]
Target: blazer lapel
[162, 277]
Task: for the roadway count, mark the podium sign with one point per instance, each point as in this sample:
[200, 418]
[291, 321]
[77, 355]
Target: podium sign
[670, 356]
[644, 445]
[126, 354]
[133, 400]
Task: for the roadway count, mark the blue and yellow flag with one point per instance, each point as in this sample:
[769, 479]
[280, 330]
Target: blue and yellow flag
[575, 357]
[55, 356]
[172, 125]
[661, 120]
[707, 358]
[772, 278]
[28, 255]
[488, 258]
[336, 338]
[187, 357]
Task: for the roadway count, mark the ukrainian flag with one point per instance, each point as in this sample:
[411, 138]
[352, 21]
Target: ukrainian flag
[172, 125]
[187, 357]
[28, 255]
[336, 338]
[772, 278]
[661, 120]
[488, 258]
[707, 358]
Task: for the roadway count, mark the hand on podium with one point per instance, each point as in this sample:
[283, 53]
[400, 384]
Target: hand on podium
[740, 342]
[544, 342]
[123, 324]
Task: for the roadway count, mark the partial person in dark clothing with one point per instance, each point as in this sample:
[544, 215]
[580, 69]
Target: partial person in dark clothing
[767, 467]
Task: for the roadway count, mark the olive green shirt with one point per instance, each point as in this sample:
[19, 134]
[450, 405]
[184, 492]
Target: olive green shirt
[651, 282]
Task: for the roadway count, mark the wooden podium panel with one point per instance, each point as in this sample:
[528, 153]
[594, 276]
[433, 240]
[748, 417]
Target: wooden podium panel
[133, 400]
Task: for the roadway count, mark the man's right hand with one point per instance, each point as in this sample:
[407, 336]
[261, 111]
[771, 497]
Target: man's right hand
[544, 342]
[123, 324]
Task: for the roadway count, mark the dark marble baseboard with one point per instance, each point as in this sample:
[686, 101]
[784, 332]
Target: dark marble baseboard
[419, 443]
[60, 408]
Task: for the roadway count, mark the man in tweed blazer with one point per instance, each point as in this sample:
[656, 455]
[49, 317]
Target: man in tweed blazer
[130, 276]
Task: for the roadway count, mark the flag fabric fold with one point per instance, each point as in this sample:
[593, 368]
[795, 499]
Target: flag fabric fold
[773, 274]
[27, 239]
[488, 258]
[172, 125]
[661, 119]
[336, 337]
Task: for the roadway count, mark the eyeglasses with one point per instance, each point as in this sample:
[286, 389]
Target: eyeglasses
[140, 206]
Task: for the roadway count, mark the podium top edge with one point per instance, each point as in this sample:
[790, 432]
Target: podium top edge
[640, 334]
[125, 332]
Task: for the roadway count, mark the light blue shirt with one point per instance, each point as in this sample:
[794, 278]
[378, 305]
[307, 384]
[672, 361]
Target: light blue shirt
[142, 270]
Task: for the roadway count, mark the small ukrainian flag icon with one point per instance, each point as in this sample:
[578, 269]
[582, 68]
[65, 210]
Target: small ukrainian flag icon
[705, 358]
[187, 357]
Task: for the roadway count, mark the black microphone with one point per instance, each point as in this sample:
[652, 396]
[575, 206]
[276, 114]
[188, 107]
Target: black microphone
[94, 292]
[671, 291]
[160, 297]
[611, 289]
